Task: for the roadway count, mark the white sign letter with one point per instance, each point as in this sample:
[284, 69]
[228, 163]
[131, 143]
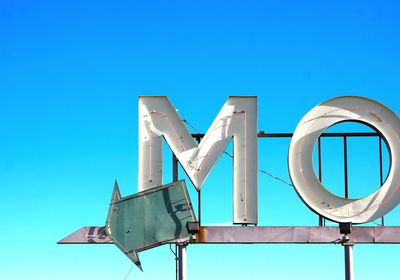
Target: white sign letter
[237, 119]
[309, 188]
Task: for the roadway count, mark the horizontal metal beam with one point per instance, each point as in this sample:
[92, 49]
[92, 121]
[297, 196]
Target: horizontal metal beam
[262, 235]
[295, 235]
[262, 134]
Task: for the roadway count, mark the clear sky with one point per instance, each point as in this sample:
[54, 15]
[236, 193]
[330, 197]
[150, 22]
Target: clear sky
[70, 76]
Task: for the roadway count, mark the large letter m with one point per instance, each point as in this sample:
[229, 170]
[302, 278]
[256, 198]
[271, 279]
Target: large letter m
[237, 119]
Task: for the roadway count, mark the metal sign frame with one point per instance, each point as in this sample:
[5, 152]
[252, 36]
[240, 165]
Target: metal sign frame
[159, 119]
[319, 234]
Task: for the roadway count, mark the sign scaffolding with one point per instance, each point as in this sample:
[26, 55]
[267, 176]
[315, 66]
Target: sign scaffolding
[171, 209]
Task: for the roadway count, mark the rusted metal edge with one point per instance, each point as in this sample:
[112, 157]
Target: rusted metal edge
[295, 235]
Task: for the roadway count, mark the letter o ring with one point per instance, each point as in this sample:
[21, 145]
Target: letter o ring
[307, 185]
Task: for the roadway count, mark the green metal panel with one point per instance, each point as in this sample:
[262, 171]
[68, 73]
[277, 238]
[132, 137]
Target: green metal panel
[149, 218]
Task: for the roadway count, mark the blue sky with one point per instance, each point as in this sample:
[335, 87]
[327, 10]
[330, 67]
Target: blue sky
[70, 76]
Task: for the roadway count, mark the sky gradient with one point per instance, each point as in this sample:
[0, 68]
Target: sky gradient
[70, 76]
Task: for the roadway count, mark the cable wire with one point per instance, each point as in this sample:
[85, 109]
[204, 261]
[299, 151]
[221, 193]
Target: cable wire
[195, 130]
[231, 156]
[172, 250]
[176, 260]
[265, 172]
[129, 272]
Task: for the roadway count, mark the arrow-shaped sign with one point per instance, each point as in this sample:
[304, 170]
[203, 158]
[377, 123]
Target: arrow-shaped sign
[150, 218]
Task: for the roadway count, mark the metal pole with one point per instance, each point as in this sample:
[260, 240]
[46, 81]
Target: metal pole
[348, 259]
[321, 219]
[174, 179]
[381, 172]
[182, 254]
[174, 168]
[319, 160]
[346, 187]
[198, 139]
[199, 205]
[181, 269]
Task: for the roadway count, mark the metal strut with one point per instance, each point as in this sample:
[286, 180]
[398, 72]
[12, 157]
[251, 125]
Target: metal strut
[182, 255]
[182, 260]
[348, 261]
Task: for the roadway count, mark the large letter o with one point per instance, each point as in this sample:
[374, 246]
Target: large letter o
[307, 185]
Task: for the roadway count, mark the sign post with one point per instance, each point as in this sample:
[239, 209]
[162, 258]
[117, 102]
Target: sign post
[182, 255]
[348, 261]
[182, 252]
